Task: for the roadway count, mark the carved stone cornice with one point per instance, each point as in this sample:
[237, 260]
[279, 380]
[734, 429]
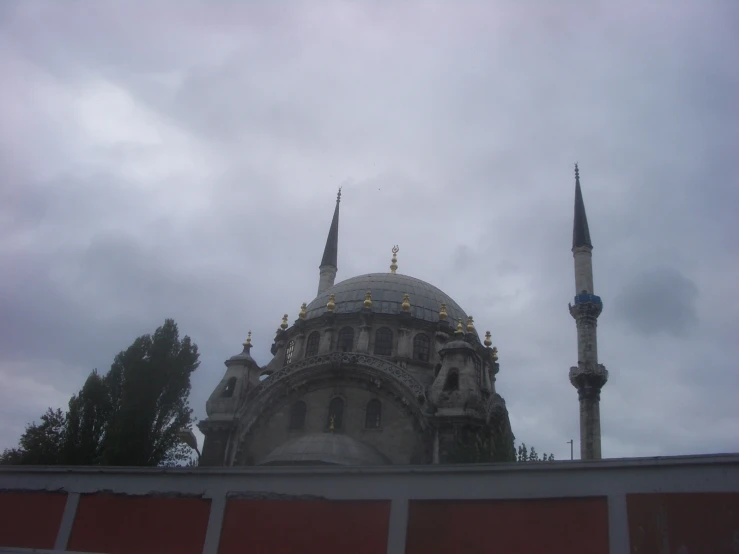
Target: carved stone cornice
[586, 310]
[588, 376]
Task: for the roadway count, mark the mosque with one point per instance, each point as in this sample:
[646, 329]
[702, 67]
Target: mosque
[383, 369]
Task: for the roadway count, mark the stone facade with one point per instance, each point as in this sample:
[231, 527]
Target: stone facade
[395, 367]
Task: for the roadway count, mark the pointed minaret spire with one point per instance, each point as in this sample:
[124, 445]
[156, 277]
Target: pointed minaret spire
[589, 376]
[329, 265]
[580, 231]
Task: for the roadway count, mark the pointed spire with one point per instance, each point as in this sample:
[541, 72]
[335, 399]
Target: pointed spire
[580, 231]
[330, 253]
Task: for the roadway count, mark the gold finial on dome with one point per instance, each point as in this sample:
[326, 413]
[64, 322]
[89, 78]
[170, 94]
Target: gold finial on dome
[442, 313]
[284, 324]
[470, 324]
[368, 300]
[460, 328]
[394, 264]
[406, 305]
[495, 353]
[488, 341]
[303, 310]
[247, 342]
[331, 304]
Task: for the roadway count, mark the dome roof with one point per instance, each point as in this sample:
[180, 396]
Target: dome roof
[324, 448]
[387, 294]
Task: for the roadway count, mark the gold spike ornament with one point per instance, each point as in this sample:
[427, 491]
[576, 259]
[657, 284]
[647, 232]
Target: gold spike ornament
[406, 305]
[368, 300]
[303, 311]
[394, 264]
[495, 353]
[488, 340]
[331, 304]
[470, 324]
[284, 324]
[442, 313]
[247, 342]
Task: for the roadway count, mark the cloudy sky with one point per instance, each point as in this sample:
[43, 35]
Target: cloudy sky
[177, 159]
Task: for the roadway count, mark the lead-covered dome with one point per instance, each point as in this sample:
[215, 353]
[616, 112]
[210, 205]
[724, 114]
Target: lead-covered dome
[387, 295]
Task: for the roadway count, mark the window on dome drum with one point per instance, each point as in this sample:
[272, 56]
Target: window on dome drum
[346, 340]
[373, 418]
[335, 414]
[421, 347]
[452, 381]
[311, 347]
[289, 352]
[230, 388]
[383, 342]
[297, 415]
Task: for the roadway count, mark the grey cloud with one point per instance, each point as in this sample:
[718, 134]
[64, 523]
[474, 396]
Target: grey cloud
[452, 125]
[659, 301]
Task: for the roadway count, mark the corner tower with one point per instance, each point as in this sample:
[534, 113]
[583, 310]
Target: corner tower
[588, 377]
[328, 268]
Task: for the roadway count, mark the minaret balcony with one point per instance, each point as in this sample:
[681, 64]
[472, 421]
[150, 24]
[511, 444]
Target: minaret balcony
[586, 298]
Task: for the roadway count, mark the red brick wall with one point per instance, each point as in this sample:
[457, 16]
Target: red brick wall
[304, 527]
[139, 525]
[30, 519]
[547, 526]
[699, 522]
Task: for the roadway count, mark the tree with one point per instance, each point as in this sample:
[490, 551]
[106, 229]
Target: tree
[87, 421]
[129, 417]
[526, 455]
[40, 444]
[149, 385]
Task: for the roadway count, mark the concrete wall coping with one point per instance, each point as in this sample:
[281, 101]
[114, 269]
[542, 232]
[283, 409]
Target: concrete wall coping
[447, 469]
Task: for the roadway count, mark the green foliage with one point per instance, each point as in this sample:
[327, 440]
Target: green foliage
[526, 455]
[42, 443]
[129, 417]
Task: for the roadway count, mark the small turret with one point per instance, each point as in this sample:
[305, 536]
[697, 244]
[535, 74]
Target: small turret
[242, 372]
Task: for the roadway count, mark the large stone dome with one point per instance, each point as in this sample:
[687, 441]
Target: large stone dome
[387, 295]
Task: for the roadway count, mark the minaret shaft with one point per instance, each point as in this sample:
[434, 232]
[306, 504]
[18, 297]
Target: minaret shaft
[588, 377]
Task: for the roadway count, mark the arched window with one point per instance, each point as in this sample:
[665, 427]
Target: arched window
[289, 352]
[373, 418]
[297, 415]
[311, 347]
[335, 414]
[383, 342]
[230, 388]
[346, 340]
[421, 347]
[452, 381]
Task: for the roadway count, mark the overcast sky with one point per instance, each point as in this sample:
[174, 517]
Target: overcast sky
[177, 159]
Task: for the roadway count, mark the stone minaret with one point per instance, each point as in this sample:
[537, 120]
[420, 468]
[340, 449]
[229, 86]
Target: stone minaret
[328, 265]
[588, 377]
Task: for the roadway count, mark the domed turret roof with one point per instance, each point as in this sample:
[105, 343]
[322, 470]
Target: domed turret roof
[387, 295]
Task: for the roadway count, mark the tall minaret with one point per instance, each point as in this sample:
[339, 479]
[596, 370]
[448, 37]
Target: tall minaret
[328, 265]
[589, 376]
